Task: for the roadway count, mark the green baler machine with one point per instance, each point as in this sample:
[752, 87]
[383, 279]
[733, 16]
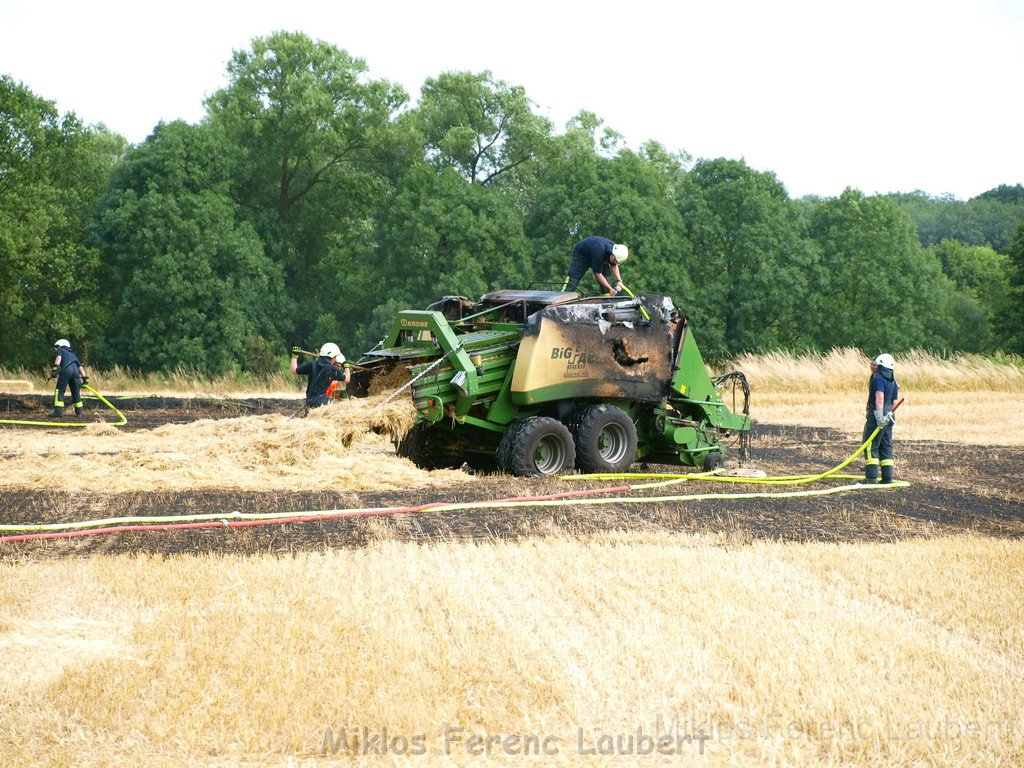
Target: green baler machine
[539, 382]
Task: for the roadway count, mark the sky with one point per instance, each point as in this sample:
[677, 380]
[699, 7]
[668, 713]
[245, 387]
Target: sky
[878, 95]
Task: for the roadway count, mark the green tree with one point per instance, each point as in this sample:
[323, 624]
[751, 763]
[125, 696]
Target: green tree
[751, 260]
[880, 289]
[52, 170]
[444, 235]
[190, 285]
[453, 221]
[312, 138]
[483, 128]
[300, 114]
[979, 275]
[988, 219]
[1010, 325]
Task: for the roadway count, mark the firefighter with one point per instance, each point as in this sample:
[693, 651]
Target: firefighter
[69, 372]
[325, 369]
[338, 389]
[883, 391]
[600, 255]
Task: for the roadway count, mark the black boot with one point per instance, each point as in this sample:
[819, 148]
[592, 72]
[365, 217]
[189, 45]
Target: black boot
[56, 413]
[888, 475]
[78, 411]
[870, 475]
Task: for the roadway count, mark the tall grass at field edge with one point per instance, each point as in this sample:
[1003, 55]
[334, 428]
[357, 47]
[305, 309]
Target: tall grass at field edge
[118, 379]
[848, 369]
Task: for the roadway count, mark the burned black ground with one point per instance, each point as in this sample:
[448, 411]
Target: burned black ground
[955, 489]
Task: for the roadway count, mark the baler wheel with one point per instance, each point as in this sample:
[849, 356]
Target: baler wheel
[537, 446]
[605, 438]
[427, 449]
[713, 461]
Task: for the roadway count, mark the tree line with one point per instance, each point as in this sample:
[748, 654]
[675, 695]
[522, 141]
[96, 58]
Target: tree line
[312, 202]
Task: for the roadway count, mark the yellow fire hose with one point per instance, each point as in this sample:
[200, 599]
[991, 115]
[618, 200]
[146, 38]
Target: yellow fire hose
[123, 420]
[643, 310]
[231, 518]
[716, 477]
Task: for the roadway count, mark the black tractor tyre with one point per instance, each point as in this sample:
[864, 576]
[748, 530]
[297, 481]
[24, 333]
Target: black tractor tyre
[713, 461]
[536, 447]
[605, 438]
[427, 449]
[507, 445]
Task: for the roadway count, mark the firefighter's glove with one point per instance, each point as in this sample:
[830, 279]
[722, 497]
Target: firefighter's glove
[883, 420]
[296, 351]
[85, 380]
[54, 371]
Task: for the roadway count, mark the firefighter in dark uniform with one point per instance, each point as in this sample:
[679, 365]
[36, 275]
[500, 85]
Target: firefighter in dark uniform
[69, 372]
[600, 255]
[321, 372]
[883, 391]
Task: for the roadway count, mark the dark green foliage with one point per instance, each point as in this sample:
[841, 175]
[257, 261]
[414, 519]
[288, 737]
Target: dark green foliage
[583, 191]
[310, 140]
[189, 283]
[443, 235]
[1004, 193]
[988, 219]
[981, 292]
[880, 289]
[1010, 326]
[753, 266]
[52, 170]
[483, 128]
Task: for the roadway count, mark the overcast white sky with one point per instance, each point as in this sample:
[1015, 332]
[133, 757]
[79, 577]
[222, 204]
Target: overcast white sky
[880, 95]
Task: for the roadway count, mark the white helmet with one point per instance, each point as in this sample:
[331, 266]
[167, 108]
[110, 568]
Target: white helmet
[620, 252]
[61, 343]
[885, 361]
[329, 350]
[339, 358]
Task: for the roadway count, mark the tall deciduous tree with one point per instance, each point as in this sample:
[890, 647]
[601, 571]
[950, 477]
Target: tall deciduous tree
[979, 275]
[751, 261]
[1011, 320]
[454, 223]
[52, 170]
[190, 285]
[311, 135]
[881, 290]
[483, 128]
[444, 235]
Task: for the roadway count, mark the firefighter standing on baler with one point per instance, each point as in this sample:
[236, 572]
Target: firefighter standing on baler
[883, 391]
[600, 255]
[69, 372]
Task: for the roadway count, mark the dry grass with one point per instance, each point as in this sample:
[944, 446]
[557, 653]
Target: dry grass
[181, 383]
[848, 369]
[901, 654]
[339, 446]
[783, 654]
[345, 446]
[968, 399]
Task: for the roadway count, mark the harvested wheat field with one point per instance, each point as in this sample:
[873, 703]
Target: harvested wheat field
[874, 627]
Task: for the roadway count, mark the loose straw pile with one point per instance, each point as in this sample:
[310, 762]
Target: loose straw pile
[344, 446]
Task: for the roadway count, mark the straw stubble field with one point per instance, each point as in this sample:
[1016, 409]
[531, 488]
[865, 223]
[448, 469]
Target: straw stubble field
[871, 628]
